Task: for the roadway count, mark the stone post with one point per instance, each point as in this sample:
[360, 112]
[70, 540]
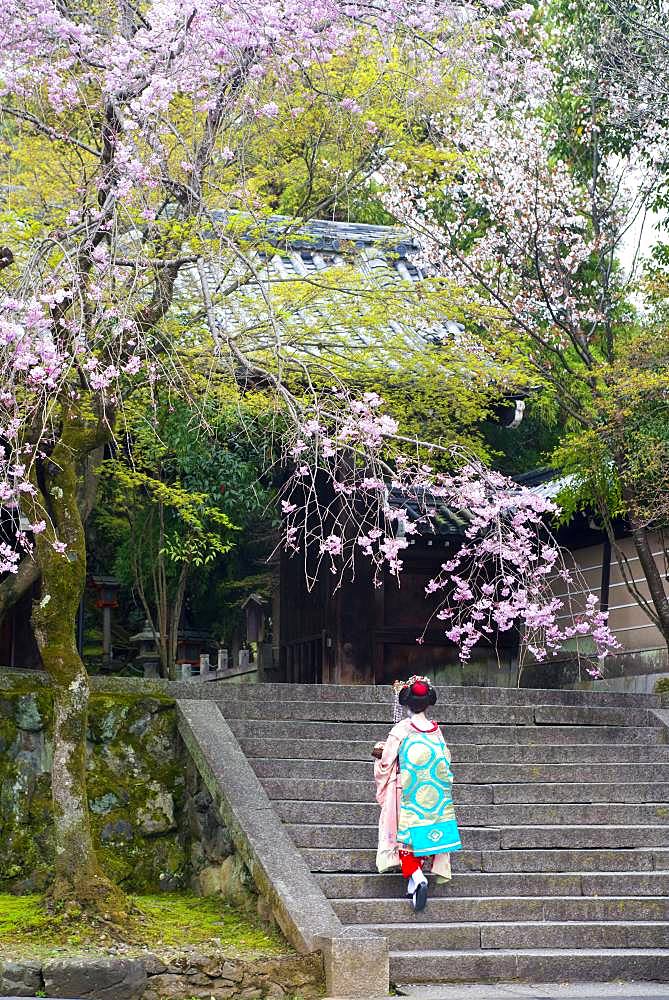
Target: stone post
[357, 964]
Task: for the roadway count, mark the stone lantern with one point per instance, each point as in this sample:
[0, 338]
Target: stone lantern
[148, 655]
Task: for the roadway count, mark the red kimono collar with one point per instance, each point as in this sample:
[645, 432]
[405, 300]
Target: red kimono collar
[435, 726]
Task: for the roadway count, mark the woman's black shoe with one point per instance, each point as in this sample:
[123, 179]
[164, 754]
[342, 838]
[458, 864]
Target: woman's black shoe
[420, 897]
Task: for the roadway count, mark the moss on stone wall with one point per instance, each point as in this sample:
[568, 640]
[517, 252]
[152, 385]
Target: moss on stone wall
[136, 788]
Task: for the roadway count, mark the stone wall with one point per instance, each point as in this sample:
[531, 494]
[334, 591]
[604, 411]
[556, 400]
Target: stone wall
[154, 823]
[214, 867]
[149, 830]
[155, 977]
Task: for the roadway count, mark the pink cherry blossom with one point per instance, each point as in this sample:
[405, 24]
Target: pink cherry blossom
[506, 573]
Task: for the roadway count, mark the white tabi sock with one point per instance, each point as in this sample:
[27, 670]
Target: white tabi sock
[416, 879]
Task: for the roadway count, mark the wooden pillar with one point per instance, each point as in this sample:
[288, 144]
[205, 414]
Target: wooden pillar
[378, 649]
[354, 637]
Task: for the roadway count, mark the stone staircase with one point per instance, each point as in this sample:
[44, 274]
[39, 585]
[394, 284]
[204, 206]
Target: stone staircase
[563, 803]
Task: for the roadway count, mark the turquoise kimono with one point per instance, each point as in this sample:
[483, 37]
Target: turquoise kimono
[426, 822]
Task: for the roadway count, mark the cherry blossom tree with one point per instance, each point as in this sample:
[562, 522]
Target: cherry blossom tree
[128, 128]
[565, 160]
[357, 492]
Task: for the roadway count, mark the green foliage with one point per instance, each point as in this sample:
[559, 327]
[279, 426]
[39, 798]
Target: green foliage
[318, 157]
[531, 445]
[194, 531]
[620, 463]
[181, 503]
[662, 686]
[187, 481]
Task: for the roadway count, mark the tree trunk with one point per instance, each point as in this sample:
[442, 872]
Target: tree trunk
[175, 618]
[14, 586]
[78, 874]
[161, 591]
[653, 576]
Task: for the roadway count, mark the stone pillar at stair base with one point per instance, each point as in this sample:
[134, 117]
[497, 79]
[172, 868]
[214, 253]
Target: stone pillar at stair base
[356, 964]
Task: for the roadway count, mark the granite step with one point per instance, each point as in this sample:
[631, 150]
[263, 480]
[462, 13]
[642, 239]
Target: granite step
[563, 805]
[364, 886]
[508, 838]
[484, 774]
[315, 835]
[500, 755]
[375, 712]
[448, 715]
[459, 909]
[536, 965]
[562, 800]
[523, 935]
[357, 859]
[624, 834]
[335, 790]
[515, 814]
[582, 792]
[273, 729]
[456, 695]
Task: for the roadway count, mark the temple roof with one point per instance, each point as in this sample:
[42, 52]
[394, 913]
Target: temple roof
[322, 253]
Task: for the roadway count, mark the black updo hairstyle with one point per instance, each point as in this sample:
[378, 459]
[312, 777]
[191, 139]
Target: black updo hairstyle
[415, 702]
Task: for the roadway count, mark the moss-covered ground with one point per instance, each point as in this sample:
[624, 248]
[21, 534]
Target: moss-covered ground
[163, 922]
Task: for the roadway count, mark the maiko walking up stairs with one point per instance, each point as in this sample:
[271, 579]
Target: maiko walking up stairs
[414, 785]
[562, 802]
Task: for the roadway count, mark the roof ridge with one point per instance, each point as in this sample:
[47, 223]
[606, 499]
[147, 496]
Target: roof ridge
[328, 233]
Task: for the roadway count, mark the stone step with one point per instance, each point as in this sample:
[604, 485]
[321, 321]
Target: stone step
[585, 791]
[357, 712]
[509, 838]
[271, 730]
[563, 804]
[581, 752]
[601, 836]
[584, 753]
[484, 774]
[347, 886]
[447, 716]
[523, 935]
[365, 837]
[459, 909]
[538, 814]
[537, 965]
[452, 695]
[358, 859]
[334, 790]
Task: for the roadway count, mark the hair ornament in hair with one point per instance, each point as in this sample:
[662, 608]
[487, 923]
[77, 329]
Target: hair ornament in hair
[420, 686]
